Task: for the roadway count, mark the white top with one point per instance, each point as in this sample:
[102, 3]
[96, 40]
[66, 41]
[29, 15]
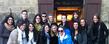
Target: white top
[31, 38]
[30, 35]
[21, 35]
[62, 37]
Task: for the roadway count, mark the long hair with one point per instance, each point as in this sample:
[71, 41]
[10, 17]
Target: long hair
[6, 20]
[51, 32]
[34, 20]
[46, 24]
[34, 32]
[43, 29]
[98, 17]
[78, 25]
[76, 12]
[84, 20]
[86, 25]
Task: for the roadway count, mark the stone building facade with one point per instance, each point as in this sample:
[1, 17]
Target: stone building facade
[90, 8]
[16, 6]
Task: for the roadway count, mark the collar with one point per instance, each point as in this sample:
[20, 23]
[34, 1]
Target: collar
[19, 29]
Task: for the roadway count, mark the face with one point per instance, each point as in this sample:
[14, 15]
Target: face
[37, 19]
[75, 25]
[44, 17]
[61, 31]
[64, 19]
[82, 22]
[75, 15]
[31, 27]
[10, 21]
[54, 28]
[22, 27]
[24, 15]
[95, 19]
[46, 28]
[50, 18]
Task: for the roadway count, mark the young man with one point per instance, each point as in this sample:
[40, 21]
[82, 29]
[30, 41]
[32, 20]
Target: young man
[24, 17]
[50, 19]
[44, 18]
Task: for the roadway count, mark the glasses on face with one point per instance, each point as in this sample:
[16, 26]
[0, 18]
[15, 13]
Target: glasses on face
[10, 19]
[60, 30]
[37, 18]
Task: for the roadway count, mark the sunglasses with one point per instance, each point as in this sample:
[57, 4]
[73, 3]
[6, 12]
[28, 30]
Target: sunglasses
[43, 16]
[60, 30]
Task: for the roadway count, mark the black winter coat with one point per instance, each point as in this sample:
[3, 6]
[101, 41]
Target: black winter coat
[99, 33]
[4, 34]
[54, 40]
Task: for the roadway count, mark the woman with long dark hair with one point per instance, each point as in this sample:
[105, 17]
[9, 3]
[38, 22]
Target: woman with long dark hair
[37, 21]
[6, 27]
[75, 17]
[99, 31]
[75, 33]
[45, 35]
[31, 34]
[83, 31]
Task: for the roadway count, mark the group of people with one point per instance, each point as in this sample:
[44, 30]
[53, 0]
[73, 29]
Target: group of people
[43, 30]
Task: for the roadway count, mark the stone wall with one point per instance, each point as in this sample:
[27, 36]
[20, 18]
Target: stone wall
[105, 14]
[17, 6]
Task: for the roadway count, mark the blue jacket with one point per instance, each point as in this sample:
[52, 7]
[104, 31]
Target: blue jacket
[67, 39]
[67, 31]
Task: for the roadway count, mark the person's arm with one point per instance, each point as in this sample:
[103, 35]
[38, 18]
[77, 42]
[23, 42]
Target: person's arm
[1, 30]
[69, 40]
[84, 38]
[3, 33]
[12, 38]
[106, 31]
[90, 33]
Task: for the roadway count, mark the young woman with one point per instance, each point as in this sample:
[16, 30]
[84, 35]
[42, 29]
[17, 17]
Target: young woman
[76, 17]
[76, 33]
[5, 28]
[99, 31]
[37, 22]
[45, 35]
[31, 34]
[63, 37]
[79, 35]
[54, 34]
[18, 35]
[38, 25]
[83, 31]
